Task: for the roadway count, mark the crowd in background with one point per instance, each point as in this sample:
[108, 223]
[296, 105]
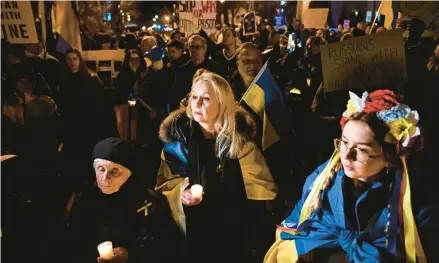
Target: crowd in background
[55, 110]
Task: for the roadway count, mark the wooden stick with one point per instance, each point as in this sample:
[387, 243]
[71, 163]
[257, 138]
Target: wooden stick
[376, 16]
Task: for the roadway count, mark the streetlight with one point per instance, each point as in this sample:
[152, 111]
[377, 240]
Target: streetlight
[154, 19]
[156, 16]
[167, 18]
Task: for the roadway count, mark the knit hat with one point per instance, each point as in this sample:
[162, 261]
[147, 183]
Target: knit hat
[115, 150]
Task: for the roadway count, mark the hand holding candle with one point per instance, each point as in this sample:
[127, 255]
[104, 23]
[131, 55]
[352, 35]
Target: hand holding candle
[106, 250]
[197, 191]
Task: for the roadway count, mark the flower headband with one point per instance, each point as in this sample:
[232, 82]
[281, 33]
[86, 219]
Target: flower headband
[401, 120]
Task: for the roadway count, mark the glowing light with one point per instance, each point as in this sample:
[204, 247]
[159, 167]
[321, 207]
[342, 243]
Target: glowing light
[129, 19]
[154, 26]
[121, 11]
[356, 13]
[222, 1]
[282, 10]
[156, 16]
[167, 18]
[154, 19]
[144, 28]
[282, 2]
[173, 14]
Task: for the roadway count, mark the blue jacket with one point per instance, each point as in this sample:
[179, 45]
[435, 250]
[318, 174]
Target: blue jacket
[329, 226]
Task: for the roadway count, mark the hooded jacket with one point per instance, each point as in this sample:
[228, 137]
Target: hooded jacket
[173, 175]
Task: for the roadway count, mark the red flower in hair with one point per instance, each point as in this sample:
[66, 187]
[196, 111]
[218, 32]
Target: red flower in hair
[380, 100]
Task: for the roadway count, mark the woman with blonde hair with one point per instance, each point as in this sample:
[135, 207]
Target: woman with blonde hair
[210, 143]
[359, 206]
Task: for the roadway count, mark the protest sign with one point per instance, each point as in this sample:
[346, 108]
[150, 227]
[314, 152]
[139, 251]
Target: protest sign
[197, 15]
[250, 27]
[315, 17]
[106, 63]
[373, 61]
[18, 23]
[427, 11]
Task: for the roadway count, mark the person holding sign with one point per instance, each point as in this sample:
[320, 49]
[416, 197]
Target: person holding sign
[359, 205]
[210, 143]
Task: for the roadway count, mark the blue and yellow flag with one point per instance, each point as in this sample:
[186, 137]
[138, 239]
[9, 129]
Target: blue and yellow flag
[265, 99]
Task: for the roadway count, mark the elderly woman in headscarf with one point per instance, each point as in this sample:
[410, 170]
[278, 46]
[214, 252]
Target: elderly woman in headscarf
[117, 209]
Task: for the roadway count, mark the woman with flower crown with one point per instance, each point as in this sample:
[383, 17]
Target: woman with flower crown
[357, 207]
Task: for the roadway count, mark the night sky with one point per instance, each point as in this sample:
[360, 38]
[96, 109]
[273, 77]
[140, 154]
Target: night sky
[152, 8]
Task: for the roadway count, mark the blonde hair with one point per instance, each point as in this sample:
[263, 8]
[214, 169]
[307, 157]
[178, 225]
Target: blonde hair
[228, 141]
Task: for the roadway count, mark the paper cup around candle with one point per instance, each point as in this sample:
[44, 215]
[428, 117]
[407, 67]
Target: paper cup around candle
[197, 191]
[106, 250]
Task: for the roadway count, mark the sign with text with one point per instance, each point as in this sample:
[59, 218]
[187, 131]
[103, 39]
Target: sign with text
[106, 63]
[315, 18]
[250, 27]
[364, 62]
[197, 15]
[18, 23]
[427, 11]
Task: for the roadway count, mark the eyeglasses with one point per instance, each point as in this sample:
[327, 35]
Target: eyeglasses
[360, 155]
[196, 47]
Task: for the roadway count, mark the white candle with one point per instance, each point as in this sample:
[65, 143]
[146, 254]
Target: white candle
[197, 191]
[132, 103]
[106, 250]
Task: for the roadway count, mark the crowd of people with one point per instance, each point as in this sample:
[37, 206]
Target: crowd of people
[82, 164]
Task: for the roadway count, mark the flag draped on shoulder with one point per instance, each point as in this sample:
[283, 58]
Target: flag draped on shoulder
[66, 24]
[266, 100]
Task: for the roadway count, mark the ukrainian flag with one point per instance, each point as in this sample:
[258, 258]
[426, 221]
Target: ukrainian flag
[265, 99]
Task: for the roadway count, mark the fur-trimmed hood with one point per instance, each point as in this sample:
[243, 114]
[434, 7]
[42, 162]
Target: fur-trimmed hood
[176, 127]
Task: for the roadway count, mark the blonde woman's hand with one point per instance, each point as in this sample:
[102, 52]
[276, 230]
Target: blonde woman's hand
[188, 200]
[120, 256]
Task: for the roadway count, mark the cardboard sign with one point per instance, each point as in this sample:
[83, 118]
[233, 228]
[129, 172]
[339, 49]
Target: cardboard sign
[197, 15]
[315, 17]
[367, 62]
[106, 63]
[427, 11]
[250, 26]
[18, 23]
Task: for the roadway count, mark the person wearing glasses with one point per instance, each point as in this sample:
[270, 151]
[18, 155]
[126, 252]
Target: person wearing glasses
[183, 81]
[360, 206]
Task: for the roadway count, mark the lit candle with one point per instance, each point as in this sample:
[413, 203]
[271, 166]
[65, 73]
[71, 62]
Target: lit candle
[106, 250]
[197, 191]
[132, 103]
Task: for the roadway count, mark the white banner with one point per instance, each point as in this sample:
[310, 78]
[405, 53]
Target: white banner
[196, 15]
[18, 23]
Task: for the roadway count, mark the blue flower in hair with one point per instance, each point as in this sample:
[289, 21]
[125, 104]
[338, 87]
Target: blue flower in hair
[395, 113]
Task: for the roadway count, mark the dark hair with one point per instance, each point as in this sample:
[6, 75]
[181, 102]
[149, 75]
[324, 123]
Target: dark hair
[82, 66]
[380, 130]
[175, 43]
[175, 32]
[224, 30]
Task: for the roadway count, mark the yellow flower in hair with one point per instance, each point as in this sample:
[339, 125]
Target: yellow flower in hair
[402, 129]
[355, 104]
